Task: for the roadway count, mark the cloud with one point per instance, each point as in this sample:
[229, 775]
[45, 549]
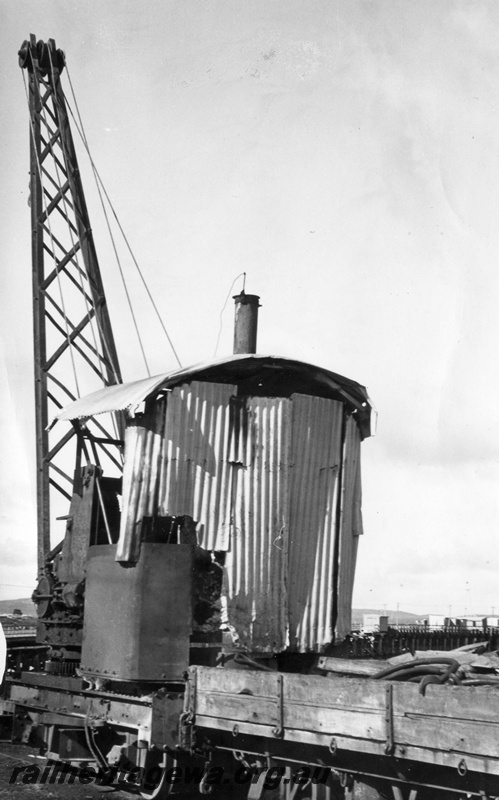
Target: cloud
[430, 528]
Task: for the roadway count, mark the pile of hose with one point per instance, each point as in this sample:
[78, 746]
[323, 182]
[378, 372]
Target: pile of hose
[423, 671]
[440, 669]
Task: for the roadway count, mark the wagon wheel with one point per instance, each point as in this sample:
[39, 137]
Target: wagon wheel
[153, 785]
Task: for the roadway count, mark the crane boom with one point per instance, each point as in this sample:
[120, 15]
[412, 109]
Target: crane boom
[72, 328]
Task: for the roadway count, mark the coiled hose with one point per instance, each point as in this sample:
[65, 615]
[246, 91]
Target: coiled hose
[424, 671]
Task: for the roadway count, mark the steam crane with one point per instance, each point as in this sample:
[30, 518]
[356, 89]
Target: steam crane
[192, 608]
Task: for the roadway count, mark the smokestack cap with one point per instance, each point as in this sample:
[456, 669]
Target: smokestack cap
[247, 299]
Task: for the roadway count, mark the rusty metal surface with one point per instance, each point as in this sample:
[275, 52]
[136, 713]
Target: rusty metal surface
[138, 618]
[271, 375]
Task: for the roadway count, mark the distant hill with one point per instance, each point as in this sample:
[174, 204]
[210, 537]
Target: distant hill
[25, 604]
[28, 607]
[403, 617]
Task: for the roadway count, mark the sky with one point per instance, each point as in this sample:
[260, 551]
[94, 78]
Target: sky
[345, 155]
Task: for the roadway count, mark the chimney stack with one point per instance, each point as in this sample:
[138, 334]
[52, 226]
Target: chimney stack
[246, 323]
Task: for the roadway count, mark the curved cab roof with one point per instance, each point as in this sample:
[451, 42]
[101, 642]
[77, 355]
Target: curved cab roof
[268, 376]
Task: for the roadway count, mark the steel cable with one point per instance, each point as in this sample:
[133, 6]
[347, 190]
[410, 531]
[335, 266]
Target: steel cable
[100, 185]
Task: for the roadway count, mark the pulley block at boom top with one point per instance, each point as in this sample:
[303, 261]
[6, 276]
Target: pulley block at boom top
[45, 54]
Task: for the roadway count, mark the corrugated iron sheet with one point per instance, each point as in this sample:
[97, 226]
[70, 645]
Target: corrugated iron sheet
[261, 478]
[350, 527]
[129, 396]
[315, 458]
[256, 565]
[143, 443]
[195, 476]
[176, 464]
[123, 396]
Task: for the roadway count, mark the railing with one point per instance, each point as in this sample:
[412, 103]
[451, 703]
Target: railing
[25, 659]
[412, 638]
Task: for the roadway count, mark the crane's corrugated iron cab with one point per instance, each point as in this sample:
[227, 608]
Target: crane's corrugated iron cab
[255, 462]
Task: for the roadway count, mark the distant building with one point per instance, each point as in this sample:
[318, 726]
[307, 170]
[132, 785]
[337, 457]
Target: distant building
[436, 620]
[469, 622]
[374, 623]
[490, 622]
